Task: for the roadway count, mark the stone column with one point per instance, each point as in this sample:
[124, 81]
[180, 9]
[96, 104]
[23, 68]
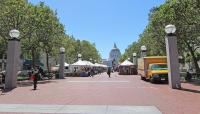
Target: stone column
[172, 61]
[61, 67]
[12, 65]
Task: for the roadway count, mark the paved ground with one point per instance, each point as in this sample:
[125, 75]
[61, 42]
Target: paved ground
[103, 91]
[79, 109]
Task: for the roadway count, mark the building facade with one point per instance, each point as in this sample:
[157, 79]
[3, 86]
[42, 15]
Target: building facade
[113, 60]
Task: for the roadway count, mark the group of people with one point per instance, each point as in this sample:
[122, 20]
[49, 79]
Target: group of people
[91, 71]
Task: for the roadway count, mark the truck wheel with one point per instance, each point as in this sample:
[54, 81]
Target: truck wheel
[143, 78]
[152, 80]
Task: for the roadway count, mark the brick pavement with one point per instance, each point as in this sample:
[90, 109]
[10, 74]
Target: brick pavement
[101, 90]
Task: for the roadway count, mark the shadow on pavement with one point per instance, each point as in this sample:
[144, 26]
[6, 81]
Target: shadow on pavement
[5, 91]
[30, 83]
[190, 90]
[195, 82]
[25, 84]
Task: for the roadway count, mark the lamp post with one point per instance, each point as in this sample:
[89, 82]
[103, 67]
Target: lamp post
[172, 57]
[13, 56]
[134, 58]
[79, 56]
[143, 51]
[90, 59]
[62, 62]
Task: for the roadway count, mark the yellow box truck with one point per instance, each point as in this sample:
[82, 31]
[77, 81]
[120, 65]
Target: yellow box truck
[153, 68]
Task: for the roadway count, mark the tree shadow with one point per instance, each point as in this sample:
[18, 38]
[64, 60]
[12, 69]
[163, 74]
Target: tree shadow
[25, 83]
[3, 91]
[190, 90]
[195, 82]
[30, 83]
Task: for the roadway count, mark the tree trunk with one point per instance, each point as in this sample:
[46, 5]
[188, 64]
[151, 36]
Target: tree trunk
[3, 62]
[47, 60]
[33, 57]
[194, 58]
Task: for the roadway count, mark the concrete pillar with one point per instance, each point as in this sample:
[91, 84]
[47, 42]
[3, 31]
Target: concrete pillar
[12, 65]
[172, 61]
[143, 53]
[61, 67]
[134, 60]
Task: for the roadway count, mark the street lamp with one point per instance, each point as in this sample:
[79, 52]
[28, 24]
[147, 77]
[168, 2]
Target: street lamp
[13, 59]
[14, 34]
[79, 56]
[62, 50]
[170, 29]
[172, 57]
[90, 59]
[62, 62]
[134, 58]
[143, 50]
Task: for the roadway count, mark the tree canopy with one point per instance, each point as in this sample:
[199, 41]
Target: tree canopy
[40, 32]
[185, 15]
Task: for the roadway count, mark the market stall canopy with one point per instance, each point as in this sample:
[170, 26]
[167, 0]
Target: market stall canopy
[66, 64]
[89, 63]
[79, 63]
[100, 65]
[97, 65]
[82, 63]
[105, 66]
[126, 63]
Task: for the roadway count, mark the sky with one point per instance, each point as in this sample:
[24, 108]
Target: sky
[104, 22]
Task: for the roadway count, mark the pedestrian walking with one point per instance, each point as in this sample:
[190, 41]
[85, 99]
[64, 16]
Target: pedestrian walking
[109, 71]
[92, 72]
[34, 77]
[188, 76]
[41, 71]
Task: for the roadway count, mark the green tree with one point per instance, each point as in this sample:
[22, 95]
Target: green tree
[49, 32]
[40, 32]
[184, 14]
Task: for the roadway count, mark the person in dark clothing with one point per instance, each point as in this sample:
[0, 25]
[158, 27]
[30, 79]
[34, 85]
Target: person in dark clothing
[35, 78]
[41, 71]
[188, 76]
[92, 72]
[109, 71]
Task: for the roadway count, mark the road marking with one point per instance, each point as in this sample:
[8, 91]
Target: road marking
[80, 109]
[98, 81]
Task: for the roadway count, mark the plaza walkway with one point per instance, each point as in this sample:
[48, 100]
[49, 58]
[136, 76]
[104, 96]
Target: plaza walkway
[101, 95]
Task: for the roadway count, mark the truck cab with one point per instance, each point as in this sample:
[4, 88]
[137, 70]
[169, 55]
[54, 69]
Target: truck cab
[157, 72]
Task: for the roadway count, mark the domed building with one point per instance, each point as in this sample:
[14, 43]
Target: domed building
[114, 56]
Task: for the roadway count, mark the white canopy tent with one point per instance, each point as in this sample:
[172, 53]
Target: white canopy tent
[80, 66]
[89, 63]
[97, 65]
[66, 64]
[126, 63]
[82, 63]
[100, 65]
[127, 68]
[56, 68]
[79, 63]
